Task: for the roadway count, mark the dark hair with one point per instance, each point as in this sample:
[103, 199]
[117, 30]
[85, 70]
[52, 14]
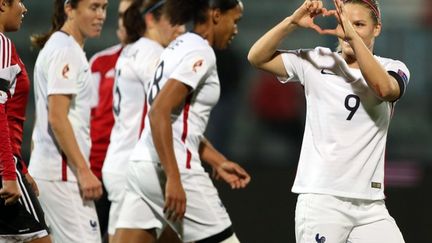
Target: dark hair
[373, 5]
[133, 18]
[57, 21]
[183, 11]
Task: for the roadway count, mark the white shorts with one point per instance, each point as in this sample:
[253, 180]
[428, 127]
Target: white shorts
[325, 218]
[69, 218]
[205, 214]
[115, 185]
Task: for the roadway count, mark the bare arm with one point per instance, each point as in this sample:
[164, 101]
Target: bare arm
[384, 85]
[169, 98]
[58, 109]
[264, 54]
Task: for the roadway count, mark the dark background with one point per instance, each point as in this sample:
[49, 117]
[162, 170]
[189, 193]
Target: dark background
[259, 122]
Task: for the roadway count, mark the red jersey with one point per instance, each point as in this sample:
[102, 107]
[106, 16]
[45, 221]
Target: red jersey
[16, 108]
[102, 66]
[8, 84]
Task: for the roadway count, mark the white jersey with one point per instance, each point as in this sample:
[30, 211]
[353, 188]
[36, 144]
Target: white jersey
[190, 60]
[61, 68]
[134, 72]
[346, 125]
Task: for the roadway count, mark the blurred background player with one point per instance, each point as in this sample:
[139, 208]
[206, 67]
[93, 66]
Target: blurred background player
[102, 66]
[166, 180]
[148, 32]
[350, 97]
[63, 89]
[21, 216]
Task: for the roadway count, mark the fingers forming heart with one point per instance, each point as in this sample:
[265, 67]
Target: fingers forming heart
[325, 13]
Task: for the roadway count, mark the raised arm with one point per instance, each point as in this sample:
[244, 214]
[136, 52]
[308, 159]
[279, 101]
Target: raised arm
[379, 80]
[264, 54]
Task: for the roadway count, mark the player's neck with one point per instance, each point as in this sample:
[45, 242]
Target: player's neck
[72, 30]
[205, 30]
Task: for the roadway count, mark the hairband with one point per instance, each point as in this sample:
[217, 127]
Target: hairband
[373, 7]
[152, 8]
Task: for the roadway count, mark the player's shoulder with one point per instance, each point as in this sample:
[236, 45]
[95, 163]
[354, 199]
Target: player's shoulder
[6, 51]
[144, 47]
[388, 61]
[108, 52]
[4, 40]
[189, 42]
[60, 45]
[59, 40]
[309, 52]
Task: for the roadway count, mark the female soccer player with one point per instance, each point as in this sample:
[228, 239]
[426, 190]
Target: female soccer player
[350, 98]
[102, 66]
[148, 32]
[21, 216]
[60, 158]
[166, 179]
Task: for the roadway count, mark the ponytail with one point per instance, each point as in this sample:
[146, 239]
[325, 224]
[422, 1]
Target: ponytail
[58, 19]
[133, 18]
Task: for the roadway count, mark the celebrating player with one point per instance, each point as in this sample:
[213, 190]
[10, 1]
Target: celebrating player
[350, 97]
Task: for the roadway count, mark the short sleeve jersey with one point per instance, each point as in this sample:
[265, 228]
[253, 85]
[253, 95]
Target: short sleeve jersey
[191, 60]
[61, 69]
[134, 72]
[346, 125]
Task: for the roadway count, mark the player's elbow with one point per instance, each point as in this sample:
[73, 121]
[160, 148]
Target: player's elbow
[155, 116]
[390, 93]
[253, 59]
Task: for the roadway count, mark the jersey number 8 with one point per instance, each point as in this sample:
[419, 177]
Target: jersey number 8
[155, 88]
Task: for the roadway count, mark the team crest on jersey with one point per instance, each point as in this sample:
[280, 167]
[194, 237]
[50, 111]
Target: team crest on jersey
[197, 65]
[93, 225]
[65, 71]
[319, 239]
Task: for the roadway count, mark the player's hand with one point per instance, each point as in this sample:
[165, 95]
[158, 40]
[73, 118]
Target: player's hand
[233, 174]
[32, 184]
[90, 186]
[345, 29]
[10, 192]
[175, 199]
[305, 14]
